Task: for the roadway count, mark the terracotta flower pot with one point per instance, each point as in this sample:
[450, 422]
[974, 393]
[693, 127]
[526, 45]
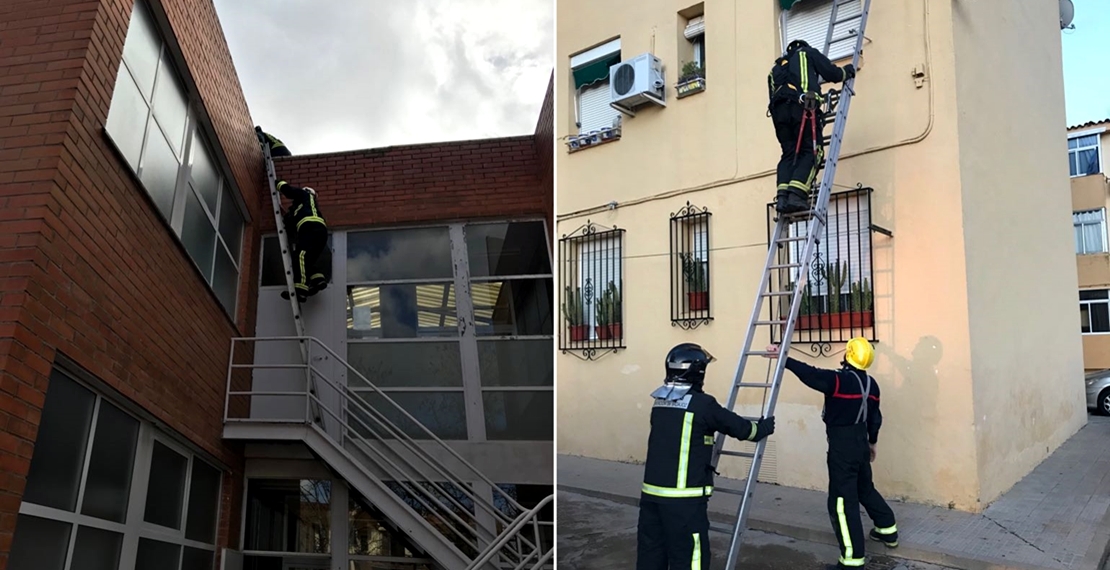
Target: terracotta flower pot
[698, 300]
[579, 333]
[833, 321]
[609, 332]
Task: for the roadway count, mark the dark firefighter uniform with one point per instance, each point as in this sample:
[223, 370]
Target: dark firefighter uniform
[308, 231]
[277, 148]
[673, 528]
[852, 421]
[794, 80]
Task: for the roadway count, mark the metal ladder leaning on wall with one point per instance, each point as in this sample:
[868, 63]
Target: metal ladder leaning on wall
[287, 264]
[817, 218]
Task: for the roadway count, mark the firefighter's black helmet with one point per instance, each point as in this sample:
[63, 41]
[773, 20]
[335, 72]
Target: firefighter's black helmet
[795, 46]
[686, 363]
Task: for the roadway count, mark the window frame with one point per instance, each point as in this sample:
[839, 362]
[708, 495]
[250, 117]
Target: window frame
[1088, 303]
[1074, 152]
[689, 238]
[134, 526]
[856, 239]
[573, 251]
[1080, 225]
[196, 131]
[466, 338]
[592, 56]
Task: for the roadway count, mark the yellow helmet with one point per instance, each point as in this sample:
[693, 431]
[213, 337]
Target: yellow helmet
[859, 353]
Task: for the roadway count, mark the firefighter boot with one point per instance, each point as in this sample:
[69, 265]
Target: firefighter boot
[780, 201]
[796, 201]
[890, 540]
[301, 297]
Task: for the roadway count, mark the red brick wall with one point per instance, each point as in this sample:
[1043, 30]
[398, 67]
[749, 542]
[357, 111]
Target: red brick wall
[545, 148]
[87, 266]
[491, 178]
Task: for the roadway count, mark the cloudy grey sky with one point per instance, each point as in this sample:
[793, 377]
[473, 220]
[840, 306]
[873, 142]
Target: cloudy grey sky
[333, 75]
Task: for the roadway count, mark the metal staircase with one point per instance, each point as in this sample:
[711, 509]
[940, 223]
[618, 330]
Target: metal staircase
[836, 114]
[424, 487]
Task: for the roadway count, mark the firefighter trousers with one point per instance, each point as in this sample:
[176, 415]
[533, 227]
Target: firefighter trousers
[673, 534]
[796, 170]
[850, 486]
[310, 242]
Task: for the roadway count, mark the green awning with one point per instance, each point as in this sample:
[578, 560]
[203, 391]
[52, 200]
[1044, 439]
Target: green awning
[788, 4]
[595, 71]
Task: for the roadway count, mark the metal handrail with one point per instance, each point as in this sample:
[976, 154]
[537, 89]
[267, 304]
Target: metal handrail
[353, 401]
[513, 532]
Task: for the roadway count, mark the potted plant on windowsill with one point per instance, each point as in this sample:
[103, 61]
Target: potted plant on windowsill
[609, 313]
[575, 314]
[859, 313]
[697, 283]
[692, 79]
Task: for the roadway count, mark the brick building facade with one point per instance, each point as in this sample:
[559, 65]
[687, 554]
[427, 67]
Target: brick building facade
[112, 286]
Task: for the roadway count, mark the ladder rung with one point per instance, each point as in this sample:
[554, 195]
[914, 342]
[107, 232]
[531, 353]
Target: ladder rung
[778, 293]
[747, 454]
[761, 323]
[849, 36]
[760, 353]
[728, 491]
[789, 239]
[786, 266]
[754, 385]
[720, 528]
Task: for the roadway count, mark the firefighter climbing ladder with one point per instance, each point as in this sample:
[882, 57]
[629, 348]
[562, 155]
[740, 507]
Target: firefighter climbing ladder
[779, 238]
[287, 263]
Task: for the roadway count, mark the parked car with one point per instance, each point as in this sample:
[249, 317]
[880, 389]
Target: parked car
[1098, 391]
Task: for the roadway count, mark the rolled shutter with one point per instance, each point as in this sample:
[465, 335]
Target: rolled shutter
[809, 20]
[594, 111]
[695, 27]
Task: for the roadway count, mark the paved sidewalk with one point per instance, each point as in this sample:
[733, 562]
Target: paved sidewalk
[1057, 517]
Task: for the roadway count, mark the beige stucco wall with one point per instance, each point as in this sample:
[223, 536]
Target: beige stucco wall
[1026, 350]
[717, 149]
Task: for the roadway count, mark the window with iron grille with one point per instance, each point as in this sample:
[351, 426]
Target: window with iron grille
[591, 289]
[838, 301]
[690, 299]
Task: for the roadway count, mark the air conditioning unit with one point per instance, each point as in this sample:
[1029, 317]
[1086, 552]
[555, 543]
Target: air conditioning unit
[635, 82]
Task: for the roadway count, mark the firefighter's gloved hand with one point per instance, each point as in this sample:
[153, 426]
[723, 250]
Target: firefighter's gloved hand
[849, 71]
[762, 428]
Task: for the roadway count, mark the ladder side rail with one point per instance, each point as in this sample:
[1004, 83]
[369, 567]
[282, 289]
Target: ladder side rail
[832, 27]
[287, 262]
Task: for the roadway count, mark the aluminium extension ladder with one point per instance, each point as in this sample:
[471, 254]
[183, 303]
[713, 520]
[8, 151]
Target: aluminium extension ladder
[287, 263]
[779, 238]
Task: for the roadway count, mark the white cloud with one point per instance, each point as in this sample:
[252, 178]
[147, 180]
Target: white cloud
[350, 74]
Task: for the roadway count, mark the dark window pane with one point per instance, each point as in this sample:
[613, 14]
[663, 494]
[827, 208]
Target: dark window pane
[273, 271]
[204, 499]
[513, 308]
[1073, 143]
[402, 311]
[203, 173]
[518, 248]
[251, 562]
[159, 170]
[197, 559]
[96, 549]
[411, 364]
[1088, 161]
[59, 455]
[371, 533]
[198, 234]
[1100, 317]
[1094, 294]
[528, 497]
[39, 544]
[108, 485]
[443, 413]
[225, 279]
[231, 222]
[155, 555]
[516, 362]
[422, 253]
[1085, 318]
[289, 515]
[167, 486]
[519, 415]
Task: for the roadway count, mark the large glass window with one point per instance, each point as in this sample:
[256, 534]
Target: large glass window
[1084, 155]
[156, 132]
[411, 337]
[81, 498]
[289, 515]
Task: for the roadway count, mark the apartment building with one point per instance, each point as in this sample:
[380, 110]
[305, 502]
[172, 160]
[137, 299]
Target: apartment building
[137, 240]
[1090, 191]
[941, 248]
